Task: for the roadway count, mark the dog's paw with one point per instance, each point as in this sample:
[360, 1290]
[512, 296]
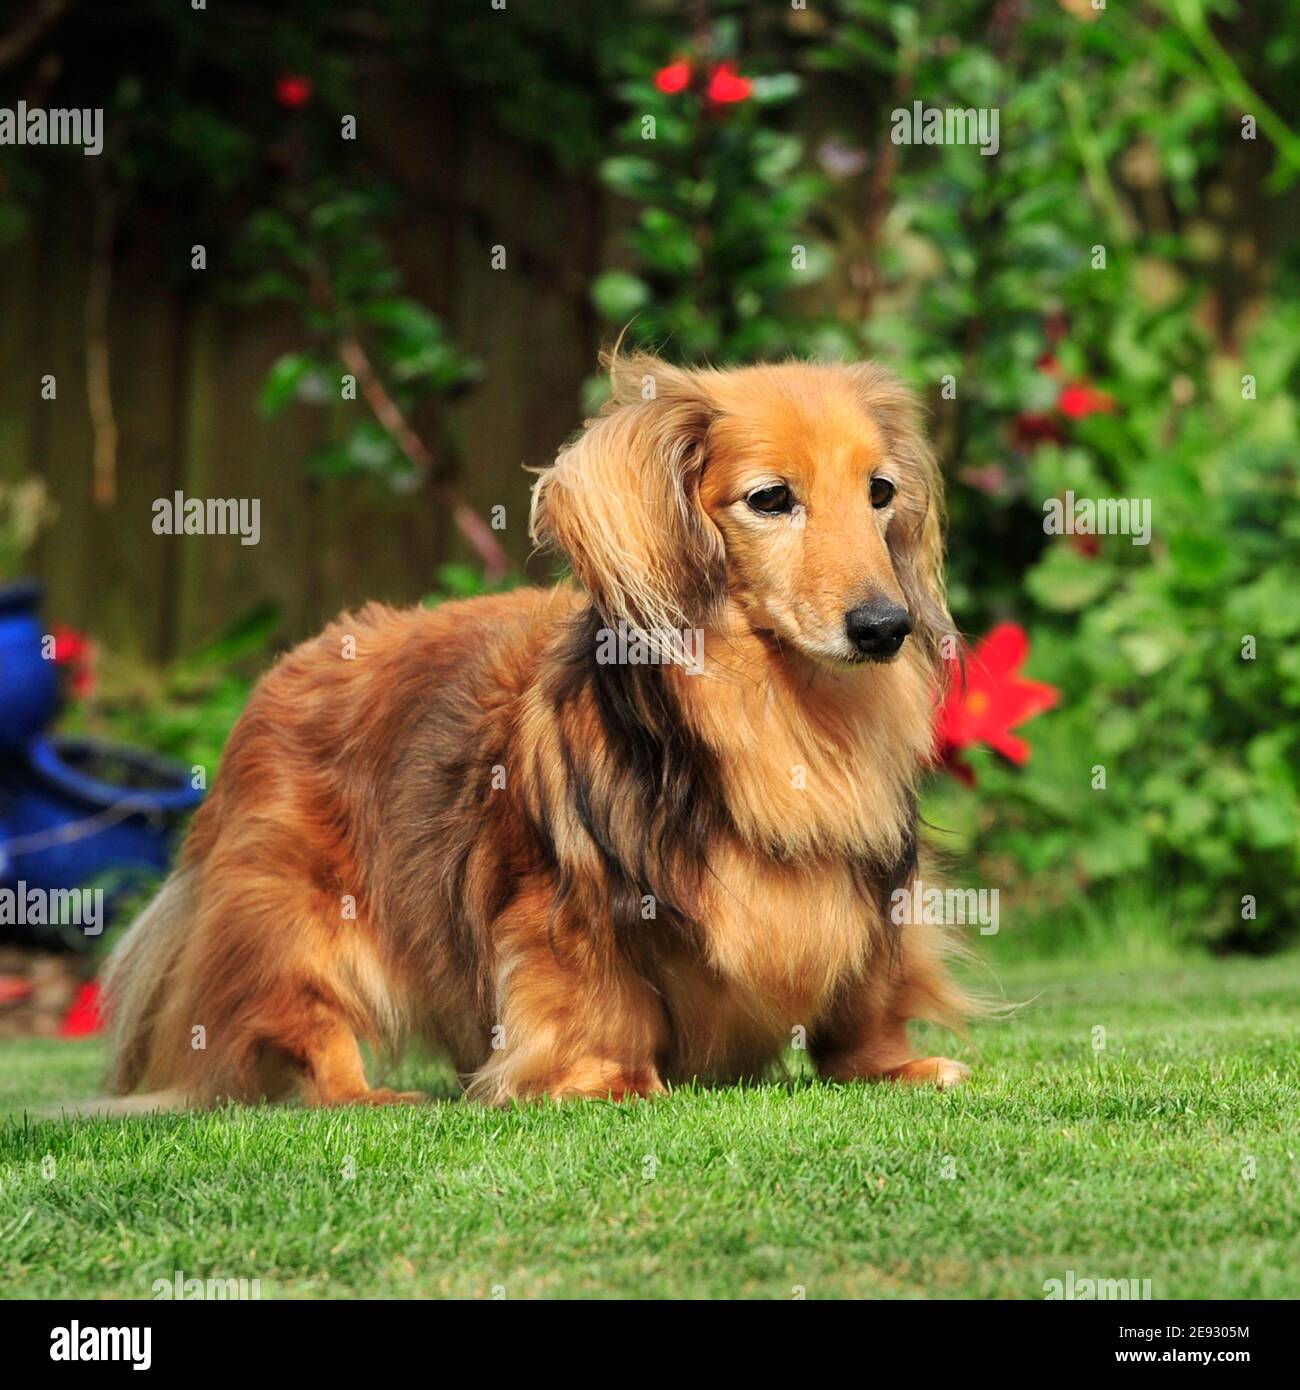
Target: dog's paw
[940, 1072]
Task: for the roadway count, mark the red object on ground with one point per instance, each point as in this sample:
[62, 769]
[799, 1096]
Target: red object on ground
[988, 699]
[676, 77]
[83, 1019]
[13, 988]
[726, 85]
[293, 90]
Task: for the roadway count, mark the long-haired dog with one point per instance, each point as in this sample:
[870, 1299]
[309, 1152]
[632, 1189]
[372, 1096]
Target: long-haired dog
[591, 840]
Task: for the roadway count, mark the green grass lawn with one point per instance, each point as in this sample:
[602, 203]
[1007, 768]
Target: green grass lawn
[1132, 1161]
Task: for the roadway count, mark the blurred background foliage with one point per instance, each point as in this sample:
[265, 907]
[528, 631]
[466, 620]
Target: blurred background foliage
[1108, 306]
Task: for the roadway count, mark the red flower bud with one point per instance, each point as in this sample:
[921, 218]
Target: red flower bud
[292, 90]
[727, 86]
[674, 78]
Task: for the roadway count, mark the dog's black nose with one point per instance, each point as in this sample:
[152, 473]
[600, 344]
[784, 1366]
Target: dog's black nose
[878, 628]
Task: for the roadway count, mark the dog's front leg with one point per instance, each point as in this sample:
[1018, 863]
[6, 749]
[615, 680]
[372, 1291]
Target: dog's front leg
[866, 1037]
[574, 1020]
[880, 1050]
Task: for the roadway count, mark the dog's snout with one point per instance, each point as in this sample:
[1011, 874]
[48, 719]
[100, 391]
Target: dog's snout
[878, 628]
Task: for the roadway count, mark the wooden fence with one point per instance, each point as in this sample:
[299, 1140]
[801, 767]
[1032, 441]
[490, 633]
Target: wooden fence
[186, 371]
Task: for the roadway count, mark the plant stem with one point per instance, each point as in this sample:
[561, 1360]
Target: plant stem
[496, 563]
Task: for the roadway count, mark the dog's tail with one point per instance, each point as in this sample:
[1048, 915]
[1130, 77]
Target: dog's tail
[143, 1103]
[136, 984]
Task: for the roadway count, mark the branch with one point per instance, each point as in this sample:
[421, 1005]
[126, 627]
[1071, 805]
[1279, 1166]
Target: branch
[496, 563]
[1094, 163]
[1233, 85]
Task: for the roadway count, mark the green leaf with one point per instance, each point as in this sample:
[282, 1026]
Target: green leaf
[459, 581]
[1270, 820]
[1066, 581]
[1148, 651]
[779, 87]
[1113, 849]
[1202, 561]
[284, 381]
[618, 295]
[630, 175]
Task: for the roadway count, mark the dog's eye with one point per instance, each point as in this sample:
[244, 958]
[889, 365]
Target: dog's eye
[771, 500]
[882, 492]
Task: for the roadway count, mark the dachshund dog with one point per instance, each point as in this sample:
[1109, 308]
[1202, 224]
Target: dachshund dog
[601, 838]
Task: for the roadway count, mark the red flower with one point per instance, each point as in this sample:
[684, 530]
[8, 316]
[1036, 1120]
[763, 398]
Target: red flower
[293, 90]
[1080, 399]
[83, 1018]
[986, 701]
[77, 652]
[69, 644]
[676, 77]
[727, 86]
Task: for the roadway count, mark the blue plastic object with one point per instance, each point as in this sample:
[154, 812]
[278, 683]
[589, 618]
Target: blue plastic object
[73, 810]
[29, 684]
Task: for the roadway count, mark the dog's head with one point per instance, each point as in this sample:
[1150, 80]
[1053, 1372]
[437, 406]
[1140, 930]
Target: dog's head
[802, 496]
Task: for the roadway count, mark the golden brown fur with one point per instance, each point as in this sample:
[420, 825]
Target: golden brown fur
[580, 878]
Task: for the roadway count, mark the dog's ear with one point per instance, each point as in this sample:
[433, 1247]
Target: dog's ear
[916, 539]
[622, 505]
